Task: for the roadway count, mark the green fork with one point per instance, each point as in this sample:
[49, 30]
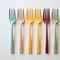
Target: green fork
[55, 20]
[12, 19]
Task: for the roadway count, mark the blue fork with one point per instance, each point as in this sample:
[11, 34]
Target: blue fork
[12, 19]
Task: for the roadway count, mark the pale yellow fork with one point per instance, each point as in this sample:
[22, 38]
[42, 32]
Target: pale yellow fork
[38, 20]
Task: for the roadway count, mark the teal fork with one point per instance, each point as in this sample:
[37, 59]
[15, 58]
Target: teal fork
[55, 20]
[12, 19]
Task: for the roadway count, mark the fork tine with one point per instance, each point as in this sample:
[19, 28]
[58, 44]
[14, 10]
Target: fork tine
[55, 14]
[20, 14]
[12, 14]
[46, 13]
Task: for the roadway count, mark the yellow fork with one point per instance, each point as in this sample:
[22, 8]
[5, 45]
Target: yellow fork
[38, 20]
[29, 19]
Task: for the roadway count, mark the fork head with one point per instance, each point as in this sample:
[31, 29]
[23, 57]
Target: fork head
[37, 16]
[55, 16]
[46, 16]
[29, 16]
[12, 16]
[20, 15]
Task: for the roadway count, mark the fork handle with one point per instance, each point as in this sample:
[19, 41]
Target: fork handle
[12, 41]
[29, 41]
[47, 39]
[21, 41]
[55, 42]
[38, 50]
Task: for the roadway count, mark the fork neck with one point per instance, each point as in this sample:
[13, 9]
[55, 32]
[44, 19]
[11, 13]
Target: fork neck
[47, 39]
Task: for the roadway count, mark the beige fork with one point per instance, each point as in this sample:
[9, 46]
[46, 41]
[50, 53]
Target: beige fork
[20, 19]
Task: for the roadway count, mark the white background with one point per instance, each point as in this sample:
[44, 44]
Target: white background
[5, 31]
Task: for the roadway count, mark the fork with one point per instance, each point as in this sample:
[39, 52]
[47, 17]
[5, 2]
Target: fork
[46, 20]
[12, 19]
[55, 20]
[38, 20]
[29, 20]
[20, 19]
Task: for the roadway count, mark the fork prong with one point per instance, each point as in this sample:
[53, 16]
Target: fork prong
[55, 14]
[20, 14]
[37, 16]
[29, 13]
[12, 14]
[38, 13]
[29, 16]
[46, 14]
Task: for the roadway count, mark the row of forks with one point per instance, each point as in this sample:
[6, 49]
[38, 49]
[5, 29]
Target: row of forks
[33, 16]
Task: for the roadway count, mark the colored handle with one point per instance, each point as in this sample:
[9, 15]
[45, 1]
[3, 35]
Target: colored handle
[29, 41]
[47, 39]
[21, 41]
[55, 43]
[12, 41]
[38, 46]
